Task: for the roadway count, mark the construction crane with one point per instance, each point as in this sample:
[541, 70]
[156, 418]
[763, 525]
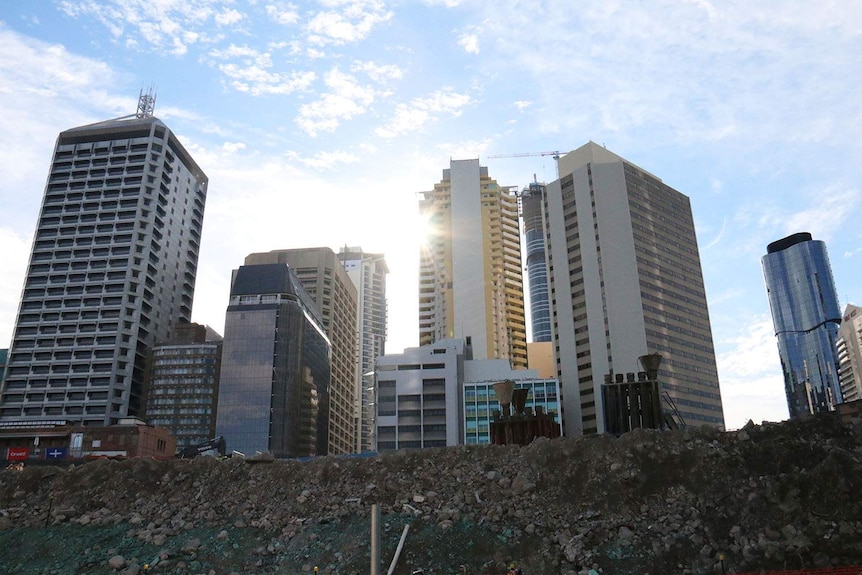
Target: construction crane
[554, 154]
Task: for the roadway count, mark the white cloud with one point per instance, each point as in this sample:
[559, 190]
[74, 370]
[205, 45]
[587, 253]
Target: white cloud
[252, 73]
[750, 374]
[523, 104]
[351, 22]
[45, 89]
[257, 81]
[820, 209]
[714, 242]
[345, 99]
[446, 3]
[168, 25]
[49, 66]
[228, 17]
[283, 14]
[413, 116]
[14, 255]
[406, 119]
[232, 147]
[685, 72]
[833, 205]
[346, 85]
[325, 160]
[466, 149]
[470, 42]
[378, 73]
[827, 207]
[716, 185]
[252, 55]
[706, 6]
[326, 114]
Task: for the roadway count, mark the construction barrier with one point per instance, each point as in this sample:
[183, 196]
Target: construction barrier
[851, 570]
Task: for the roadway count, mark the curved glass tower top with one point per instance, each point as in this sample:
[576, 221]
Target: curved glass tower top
[806, 317]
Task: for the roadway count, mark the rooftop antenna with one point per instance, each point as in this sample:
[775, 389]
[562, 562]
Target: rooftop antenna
[146, 103]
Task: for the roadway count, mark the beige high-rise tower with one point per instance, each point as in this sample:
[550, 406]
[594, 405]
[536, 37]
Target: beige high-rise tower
[470, 280]
[625, 280]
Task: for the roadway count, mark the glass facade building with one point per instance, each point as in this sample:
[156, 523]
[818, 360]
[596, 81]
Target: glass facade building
[333, 294]
[480, 403]
[182, 384]
[537, 270]
[274, 391]
[806, 317]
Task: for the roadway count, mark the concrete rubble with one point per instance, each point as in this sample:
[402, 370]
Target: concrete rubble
[771, 496]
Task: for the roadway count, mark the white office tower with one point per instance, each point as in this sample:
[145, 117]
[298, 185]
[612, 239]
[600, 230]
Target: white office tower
[368, 273]
[625, 281]
[112, 269]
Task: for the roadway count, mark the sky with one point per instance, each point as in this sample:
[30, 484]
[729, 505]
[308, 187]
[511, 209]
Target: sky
[320, 123]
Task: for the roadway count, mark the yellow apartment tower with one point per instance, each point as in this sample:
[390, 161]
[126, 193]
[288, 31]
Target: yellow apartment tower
[470, 280]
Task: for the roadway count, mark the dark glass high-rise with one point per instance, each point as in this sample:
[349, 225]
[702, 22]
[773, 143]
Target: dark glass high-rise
[275, 373]
[806, 317]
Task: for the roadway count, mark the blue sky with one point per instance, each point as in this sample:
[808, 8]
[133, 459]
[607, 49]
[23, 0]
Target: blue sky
[319, 122]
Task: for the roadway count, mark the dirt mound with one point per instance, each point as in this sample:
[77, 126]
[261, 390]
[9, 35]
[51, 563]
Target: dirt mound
[773, 496]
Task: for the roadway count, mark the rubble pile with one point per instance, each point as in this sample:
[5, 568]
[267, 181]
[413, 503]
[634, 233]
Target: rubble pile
[774, 496]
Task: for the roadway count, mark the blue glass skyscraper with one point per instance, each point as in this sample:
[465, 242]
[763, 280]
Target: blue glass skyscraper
[806, 317]
[537, 271]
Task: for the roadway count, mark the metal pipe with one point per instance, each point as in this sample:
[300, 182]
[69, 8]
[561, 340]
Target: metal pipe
[375, 539]
[398, 550]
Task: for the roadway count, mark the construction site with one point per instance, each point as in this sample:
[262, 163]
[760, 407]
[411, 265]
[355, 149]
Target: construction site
[767, 498]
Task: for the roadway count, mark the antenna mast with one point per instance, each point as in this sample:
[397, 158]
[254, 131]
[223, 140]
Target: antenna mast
[146, 103]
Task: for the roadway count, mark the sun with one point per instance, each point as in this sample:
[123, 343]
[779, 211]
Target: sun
[425, 230]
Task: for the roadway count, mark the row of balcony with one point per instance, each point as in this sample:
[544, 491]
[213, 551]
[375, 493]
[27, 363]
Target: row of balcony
[55, 397]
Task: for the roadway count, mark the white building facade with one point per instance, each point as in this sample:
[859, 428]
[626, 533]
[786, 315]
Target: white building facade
[625, 280]
[436, 396]
[418, 402]
[850, 353]
[368, 273]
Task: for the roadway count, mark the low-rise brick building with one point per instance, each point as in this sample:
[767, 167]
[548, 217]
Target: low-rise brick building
[59, 440]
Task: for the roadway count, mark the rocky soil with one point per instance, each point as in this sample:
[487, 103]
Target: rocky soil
[768, 497]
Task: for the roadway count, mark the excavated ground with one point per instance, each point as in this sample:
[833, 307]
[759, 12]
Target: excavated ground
[768, 497]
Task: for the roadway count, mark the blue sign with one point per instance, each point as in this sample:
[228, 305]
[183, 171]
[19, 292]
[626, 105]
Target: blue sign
[55, 453]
